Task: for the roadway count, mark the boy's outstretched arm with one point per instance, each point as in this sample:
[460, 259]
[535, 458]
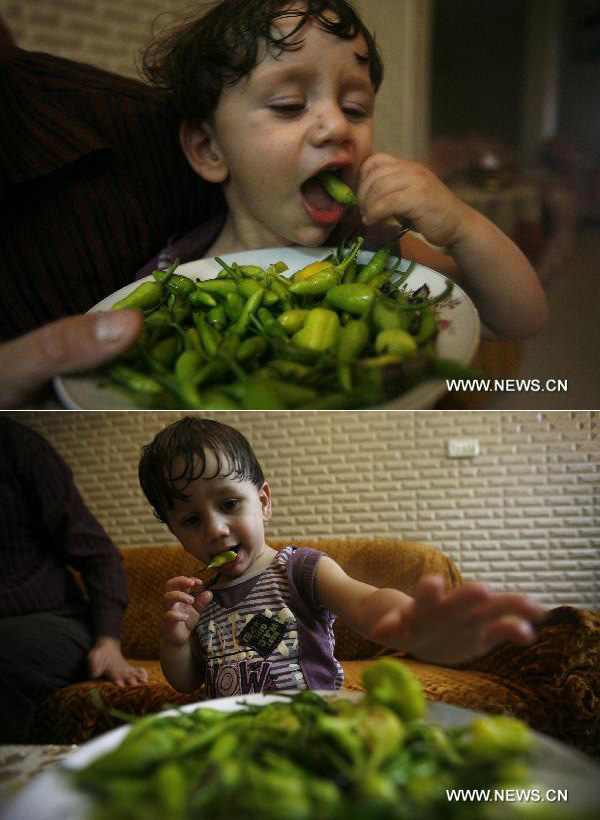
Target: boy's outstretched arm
[486, 262]
[436, 626]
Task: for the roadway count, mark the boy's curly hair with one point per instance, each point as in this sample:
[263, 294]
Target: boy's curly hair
[186, 442]
[194, 60]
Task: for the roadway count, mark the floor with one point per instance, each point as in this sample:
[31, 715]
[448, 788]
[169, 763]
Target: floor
[569, 346]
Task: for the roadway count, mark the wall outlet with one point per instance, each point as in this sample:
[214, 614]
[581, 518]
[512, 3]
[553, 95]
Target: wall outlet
[463, 447]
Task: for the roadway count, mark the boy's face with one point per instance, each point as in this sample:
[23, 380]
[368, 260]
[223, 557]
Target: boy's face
[309, 110]
[222, 514]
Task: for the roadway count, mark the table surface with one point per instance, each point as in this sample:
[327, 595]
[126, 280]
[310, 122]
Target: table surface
[18, 764]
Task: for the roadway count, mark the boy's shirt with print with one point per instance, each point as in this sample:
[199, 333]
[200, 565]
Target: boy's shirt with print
[269, 632]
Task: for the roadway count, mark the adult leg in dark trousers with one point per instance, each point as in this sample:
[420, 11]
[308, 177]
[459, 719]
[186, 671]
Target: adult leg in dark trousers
[39, 653]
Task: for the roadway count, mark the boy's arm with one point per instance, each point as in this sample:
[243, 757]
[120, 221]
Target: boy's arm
[494, 272]
[436, 626]
[180, 666]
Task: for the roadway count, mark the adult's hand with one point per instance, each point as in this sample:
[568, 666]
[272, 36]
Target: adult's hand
[106, 660]
[68, 345]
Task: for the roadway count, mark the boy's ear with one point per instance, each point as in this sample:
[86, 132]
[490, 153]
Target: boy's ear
[202, 151]
[265, 500]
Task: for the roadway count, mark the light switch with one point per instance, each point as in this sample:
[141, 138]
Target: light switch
[463, 447]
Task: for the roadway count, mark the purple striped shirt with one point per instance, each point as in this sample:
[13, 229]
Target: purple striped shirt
[283, 595]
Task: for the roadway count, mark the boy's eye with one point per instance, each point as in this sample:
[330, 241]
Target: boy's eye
[190, 521]
[230, 504]
[354, 113]
[287, 109]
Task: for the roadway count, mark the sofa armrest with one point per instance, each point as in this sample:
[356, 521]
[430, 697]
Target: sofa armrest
[562, 665]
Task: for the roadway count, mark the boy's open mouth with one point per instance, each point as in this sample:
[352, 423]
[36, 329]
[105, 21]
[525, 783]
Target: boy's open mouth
[320, 206]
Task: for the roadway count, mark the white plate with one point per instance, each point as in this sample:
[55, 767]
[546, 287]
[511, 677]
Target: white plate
[458, 339]
[49, 796]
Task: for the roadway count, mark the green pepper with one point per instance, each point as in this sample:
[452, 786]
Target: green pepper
[352, 297]
[241, 326]
[215, 399]
[200, 298]
[427, 327]
[249, 287]
[161, 276]
[166, 350]
[216, 287]
[140, 382]
[234, 304]
[320, 332]
[290, 370]
[397, 342]
[262, 394]
[389, 682]
[270, 298]
[209, 337]
[319, 283]
[498, 736]
[233, 272]
[387, 316]
[350, 273]
[159, 320]
[181, 286]
[354, 337]
[253, 272]
[222, 558]
[275, 284]
[192, 342]
[377, 263]
[251, 348]
[180, 308]
[216, 317]
[292, 320]
[187, 365]
[220, 365]
[146, 296]
[337, 189]
[270, 325]
[170, 788]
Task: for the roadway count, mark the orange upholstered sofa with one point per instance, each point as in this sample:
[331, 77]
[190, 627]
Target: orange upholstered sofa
[553, 685]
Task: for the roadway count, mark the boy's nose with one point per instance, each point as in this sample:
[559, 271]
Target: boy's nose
[330, 125]
[216, 527]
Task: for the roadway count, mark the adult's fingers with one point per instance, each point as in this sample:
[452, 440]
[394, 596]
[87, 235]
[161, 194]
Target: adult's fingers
[69, 345]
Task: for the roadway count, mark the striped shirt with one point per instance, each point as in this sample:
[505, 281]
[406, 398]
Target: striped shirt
[269, 632]
[45, 527]
[93, 182]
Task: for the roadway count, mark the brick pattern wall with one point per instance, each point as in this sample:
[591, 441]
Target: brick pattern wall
[105, 33]
[524, 514]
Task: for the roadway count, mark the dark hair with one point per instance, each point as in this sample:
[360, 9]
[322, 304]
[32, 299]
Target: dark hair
[188, 439]
[196, 59]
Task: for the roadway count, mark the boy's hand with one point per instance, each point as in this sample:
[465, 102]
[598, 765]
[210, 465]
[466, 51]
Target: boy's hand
[457, 626]
[390, 187]
[182, 609]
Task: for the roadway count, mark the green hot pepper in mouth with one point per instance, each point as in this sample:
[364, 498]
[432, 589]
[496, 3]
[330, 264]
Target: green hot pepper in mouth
[337, 189]
[222, 559]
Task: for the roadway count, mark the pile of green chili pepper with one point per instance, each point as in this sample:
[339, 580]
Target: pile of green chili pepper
[308, 758]
[347, 336]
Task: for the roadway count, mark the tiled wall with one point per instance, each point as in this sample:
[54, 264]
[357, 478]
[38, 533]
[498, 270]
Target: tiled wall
[105, 33]
[524, 514]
